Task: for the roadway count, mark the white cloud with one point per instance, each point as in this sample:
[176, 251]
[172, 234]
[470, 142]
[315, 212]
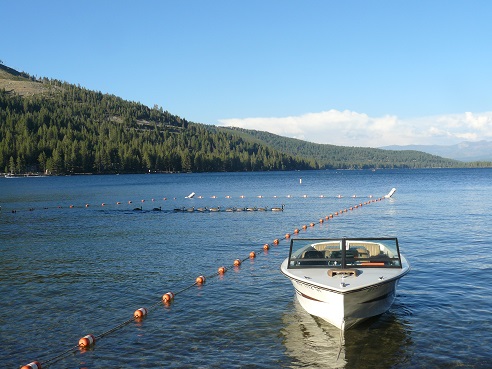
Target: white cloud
[348, 128]
[480, 122]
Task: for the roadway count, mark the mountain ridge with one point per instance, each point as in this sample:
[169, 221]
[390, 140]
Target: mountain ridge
[57, 127]
[467, 151]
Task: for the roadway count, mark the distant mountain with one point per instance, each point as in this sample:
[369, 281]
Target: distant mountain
[55, 127]
[464, 151]
[328, 156]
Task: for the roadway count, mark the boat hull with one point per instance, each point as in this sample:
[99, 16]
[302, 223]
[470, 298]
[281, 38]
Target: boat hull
[345, 281]
[345, 309]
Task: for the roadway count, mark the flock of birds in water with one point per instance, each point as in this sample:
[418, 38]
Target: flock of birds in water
[184, 209]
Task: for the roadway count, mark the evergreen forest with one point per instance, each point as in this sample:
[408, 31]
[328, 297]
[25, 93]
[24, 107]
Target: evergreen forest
[55, 127]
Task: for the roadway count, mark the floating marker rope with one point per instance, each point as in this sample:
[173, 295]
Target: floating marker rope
[120, 204]
[167, 298]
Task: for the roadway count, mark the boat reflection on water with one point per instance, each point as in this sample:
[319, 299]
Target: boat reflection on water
[380, 342]
[310, 341]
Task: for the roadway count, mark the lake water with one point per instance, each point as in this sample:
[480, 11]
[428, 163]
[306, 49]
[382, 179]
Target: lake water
[67, 272]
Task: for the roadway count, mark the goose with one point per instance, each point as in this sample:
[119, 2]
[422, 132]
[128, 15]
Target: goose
[157, 209]
[278, 209]
[215, 209]
[138, 209]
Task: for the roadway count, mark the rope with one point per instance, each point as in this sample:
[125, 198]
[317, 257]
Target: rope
[60, 356]
[130, 205]
[114, 329]
[342, 338]
[274, 243]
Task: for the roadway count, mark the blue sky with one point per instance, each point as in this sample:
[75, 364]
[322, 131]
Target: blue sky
[355, 73]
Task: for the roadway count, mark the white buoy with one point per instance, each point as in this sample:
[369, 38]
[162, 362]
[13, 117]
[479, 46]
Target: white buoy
[190, 196]
[393, 190]
[300, 180]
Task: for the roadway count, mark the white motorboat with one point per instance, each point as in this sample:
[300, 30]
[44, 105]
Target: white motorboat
[345, 281]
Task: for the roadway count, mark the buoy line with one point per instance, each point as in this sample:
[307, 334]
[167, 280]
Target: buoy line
[183, 209]
[89, 340]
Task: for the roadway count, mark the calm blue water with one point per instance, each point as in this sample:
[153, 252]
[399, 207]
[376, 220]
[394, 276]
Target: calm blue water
[67, 272]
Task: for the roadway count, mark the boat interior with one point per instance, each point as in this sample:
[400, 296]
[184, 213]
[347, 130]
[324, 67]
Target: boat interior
[344, 253]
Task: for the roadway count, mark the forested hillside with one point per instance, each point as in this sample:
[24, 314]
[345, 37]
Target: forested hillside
[55, 127]
[342, 157]
[63, 129]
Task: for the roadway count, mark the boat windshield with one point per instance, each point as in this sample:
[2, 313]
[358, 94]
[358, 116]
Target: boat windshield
[344, 253]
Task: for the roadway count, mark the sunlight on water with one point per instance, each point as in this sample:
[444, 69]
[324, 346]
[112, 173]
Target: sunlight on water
[67, 272]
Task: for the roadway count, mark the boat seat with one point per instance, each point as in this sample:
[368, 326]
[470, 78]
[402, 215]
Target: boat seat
[371, 248]
[361, 252]
[314, 254]
[337, 254]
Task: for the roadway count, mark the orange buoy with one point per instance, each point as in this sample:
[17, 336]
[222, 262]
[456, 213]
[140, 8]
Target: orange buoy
[287, 235]
[252, 255]
[237, 262]
[33, 365]
[336, 213]
[275, 241]
[103, 204]
[86, 205]
[87, 341]
[200, 279]
[130, 201]
[142, 200]
[140, 313]
[311, 224]
[168, 297]
[118, 203]
[266, 247]
[71, 206]
[321, 220]
[296, 231]
[304, 226]
[221, 270]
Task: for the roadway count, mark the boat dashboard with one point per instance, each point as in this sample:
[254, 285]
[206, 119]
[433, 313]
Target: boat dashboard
[344, 253]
